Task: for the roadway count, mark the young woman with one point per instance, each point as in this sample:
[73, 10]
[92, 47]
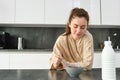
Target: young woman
[75, 46]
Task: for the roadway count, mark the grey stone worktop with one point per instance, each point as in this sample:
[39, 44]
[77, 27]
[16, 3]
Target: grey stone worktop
[45, 50]
[46, 74]
[26, 50]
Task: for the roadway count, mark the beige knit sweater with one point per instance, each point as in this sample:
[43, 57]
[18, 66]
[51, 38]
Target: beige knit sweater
[80, 52]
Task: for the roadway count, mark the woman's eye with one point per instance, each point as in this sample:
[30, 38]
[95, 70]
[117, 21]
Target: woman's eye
[82, 27]
[75, 26]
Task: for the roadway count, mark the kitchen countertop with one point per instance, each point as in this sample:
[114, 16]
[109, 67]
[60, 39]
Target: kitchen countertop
[45, 50]
[45, 74]
[26, 50]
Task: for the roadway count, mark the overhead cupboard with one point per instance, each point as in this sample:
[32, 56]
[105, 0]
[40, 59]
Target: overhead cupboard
[110, 11]
[29, 11]
[102, 12]
[7, 11]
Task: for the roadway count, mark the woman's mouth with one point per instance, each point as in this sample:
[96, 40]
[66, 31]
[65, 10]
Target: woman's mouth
[78, 34]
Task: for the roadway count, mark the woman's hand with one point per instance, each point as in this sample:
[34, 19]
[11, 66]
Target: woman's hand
[56, 60]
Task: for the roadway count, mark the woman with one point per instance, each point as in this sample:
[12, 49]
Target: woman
[75, 46]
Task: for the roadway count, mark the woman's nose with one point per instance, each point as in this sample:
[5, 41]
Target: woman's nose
[78, 30]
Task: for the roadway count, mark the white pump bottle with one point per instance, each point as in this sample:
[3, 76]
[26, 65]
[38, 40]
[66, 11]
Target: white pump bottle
[108, 62]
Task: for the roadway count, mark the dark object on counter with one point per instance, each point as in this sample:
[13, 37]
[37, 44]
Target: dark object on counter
[4, 40]
[101, 45]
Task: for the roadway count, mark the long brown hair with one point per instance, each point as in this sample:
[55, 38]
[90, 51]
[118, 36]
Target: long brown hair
[76, 12]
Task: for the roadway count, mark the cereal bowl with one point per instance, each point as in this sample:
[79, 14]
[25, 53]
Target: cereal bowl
[73, 72]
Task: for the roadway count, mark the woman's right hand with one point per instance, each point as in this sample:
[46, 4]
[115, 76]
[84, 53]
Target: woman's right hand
[56, 60]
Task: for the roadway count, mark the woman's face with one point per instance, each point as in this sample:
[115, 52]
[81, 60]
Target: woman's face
[78, 27]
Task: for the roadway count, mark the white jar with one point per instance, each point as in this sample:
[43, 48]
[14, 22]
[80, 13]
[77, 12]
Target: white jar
[20, 43]
[108, 62]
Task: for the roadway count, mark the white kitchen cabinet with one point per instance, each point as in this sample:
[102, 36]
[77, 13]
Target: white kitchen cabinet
[97, 60]
[57, 11]
[7, 11]
[92, 7]
[117, 60]
[38, 60]
[95, 16]
[110, 11]
[4, 61]
[28, 60]
[29, 11]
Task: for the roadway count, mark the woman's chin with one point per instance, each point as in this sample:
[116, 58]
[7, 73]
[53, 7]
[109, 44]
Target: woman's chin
[76, 38]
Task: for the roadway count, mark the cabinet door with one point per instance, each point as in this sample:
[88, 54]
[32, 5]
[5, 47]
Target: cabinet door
[57, 11]
[95, 16]
[110, 12]
[4, 61]
[30, 11]
[117, 60]
[97, 60]
[92, 7]
[7, 11]
[29, 60]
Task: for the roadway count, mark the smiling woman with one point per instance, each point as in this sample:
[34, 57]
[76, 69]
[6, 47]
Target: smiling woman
[75, 46]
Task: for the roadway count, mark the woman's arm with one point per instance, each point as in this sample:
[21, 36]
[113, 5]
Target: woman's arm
[55, 60]
[88, 51]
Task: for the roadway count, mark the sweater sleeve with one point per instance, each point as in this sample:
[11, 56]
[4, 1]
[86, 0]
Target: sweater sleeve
[87, 60]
